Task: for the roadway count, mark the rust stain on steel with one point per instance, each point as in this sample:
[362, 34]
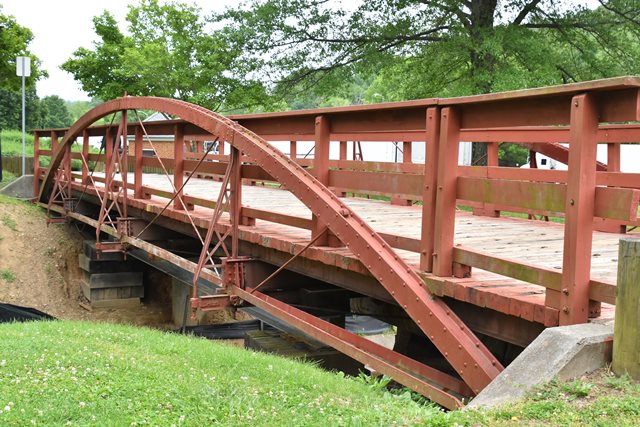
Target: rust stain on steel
[469, 357]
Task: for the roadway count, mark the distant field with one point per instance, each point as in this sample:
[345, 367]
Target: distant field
[11, 141]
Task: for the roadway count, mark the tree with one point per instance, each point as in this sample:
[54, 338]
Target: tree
[436, 47]
[57, 114]
[11, 108]
[14, 42]
[428, 48]
[168, 53]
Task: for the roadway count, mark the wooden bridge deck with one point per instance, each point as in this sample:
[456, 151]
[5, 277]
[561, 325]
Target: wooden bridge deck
[533, 242]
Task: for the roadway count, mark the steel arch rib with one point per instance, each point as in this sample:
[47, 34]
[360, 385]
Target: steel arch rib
[469, 357]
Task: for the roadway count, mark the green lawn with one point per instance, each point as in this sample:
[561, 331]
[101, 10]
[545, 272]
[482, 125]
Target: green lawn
[70, 373]
[78, 373]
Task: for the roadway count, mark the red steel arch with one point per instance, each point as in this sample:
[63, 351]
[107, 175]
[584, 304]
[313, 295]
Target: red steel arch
[464, 351]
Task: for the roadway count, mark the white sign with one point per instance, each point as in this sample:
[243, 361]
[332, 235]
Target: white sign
[23, 66]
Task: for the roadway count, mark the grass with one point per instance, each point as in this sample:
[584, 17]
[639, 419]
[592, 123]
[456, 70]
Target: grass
[59, 373]
[7, 276]
[7, 178]
[605, 400]
[11, 141]
[9, 222]
[78, 373]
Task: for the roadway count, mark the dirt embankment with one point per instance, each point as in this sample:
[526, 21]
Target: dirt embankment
[39, 269]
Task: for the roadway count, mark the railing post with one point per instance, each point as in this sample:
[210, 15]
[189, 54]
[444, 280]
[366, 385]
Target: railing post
[343, 150]
[54, 142]
[429, 193]
[613, 165]
[487, 209]
[407, 151]
[178, 168]
[85, 155]
[321, 172]
[235, 201]
[293, 150]
[406, 158]
[343, 156]
[445, 214]
[36, 164]
[108, 153]
[613, 157]
[578, 228]
[67, 163]
[626, 335]
[137, 171]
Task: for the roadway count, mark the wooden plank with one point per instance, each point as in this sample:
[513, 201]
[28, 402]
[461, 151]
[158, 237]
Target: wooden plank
[626, 338]
[444, 226]
[507, 267]
[391, 184]
[429, 193]
[613, 203]
[580, 207]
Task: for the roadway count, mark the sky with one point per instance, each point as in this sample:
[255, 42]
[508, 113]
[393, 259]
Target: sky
[61, 26]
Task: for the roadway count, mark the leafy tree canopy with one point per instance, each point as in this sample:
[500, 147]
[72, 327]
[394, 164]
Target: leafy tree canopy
[167, 53]
[424, 48]
[14, 42]
[57, 114]
[11, 109]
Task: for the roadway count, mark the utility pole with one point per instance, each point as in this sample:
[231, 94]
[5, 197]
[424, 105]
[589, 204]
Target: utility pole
[23, 69]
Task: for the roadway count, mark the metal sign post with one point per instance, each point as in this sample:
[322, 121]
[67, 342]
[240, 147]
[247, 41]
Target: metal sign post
[23, 69]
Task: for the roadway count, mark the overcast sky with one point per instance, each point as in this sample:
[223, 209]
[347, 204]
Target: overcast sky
[61, 26]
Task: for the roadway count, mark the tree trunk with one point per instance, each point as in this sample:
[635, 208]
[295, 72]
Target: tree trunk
[482, 61]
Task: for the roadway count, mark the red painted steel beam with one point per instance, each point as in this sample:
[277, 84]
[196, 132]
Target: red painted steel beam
[469, 357]
[431, 383]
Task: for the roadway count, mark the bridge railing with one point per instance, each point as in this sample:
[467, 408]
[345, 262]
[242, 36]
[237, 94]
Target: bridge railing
[586, 195]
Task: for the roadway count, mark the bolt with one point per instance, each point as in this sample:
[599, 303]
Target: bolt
[565, 309]
[572, 202]
[565, 291]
